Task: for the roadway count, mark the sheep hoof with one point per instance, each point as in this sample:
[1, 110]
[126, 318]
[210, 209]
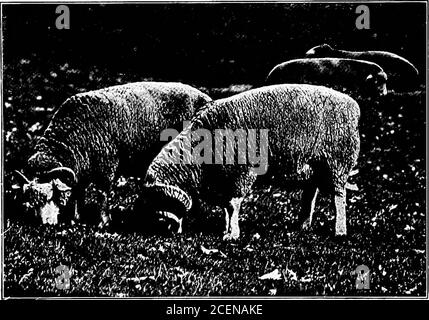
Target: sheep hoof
[227, 237]
[230, 236]
[306, 225]
[340, 231]
[104, 226]
[340, 239]
[341, 234]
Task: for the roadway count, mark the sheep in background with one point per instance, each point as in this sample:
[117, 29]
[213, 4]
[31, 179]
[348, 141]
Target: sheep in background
[94, 137]
[402, 74]
[313, 138]
[356, 77]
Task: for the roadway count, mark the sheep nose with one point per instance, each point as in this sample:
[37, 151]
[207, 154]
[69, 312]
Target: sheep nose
[49, 221]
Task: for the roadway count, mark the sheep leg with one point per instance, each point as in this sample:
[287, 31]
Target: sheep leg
[106, 217]
[105, 220]
[340, 211]
[227, 224]
[308, 203]
[76, 212]
[78, 204]
[233, 230]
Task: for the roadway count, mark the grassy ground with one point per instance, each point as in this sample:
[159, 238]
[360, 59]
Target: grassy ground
[386, 218]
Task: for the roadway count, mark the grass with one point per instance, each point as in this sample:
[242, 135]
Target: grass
[386, 218]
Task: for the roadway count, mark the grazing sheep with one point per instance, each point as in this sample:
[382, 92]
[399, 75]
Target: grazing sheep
[402, 74]
[313, 138]
[355, 76]
[95, 136]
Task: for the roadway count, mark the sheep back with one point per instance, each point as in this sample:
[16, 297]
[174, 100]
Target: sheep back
[336, 73]
[402, 74]
[94, 131]
[307, 124]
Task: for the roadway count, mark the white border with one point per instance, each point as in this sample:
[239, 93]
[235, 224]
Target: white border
[197, 298]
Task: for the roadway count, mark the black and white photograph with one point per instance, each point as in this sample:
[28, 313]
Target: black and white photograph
[216, 150]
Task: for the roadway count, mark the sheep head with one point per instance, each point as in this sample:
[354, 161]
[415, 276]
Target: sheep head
[48, 194]
[169, 204]
[376, 83]
[322, 50]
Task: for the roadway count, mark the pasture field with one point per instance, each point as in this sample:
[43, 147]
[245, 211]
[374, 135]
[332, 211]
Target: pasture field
[386, 217]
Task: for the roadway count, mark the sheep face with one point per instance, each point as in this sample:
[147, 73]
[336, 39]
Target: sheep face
[376, 83]
[47, 194]
[167, 206]
[169, 221]
[46, 199]
[322, 50]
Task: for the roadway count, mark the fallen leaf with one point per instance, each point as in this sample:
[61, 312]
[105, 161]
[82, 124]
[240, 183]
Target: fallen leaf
[208, 251]
[408, 228]
[248, 248]
[411, 290]
[290, 274]
[256, 236]
[393, 206]
[273, 292]
[273, 275]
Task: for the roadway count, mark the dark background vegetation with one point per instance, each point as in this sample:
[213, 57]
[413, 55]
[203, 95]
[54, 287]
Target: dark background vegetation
[218, 47]
[215, 44]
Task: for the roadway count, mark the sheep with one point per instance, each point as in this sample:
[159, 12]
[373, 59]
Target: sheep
[355, 76]
[313, 140]
[95, 136]
[402, 74]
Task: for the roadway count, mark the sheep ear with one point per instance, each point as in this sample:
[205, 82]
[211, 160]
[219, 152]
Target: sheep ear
[172, 217]
[60, 186]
